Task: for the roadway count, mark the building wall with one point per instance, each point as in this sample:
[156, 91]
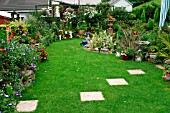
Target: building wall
[124, 3]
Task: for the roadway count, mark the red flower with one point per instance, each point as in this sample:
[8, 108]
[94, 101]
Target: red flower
[43, 50]
[2, 49]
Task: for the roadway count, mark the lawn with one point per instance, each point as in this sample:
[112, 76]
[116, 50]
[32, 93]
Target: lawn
[70, 70]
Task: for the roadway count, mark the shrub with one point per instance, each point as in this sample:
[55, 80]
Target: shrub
[119, 14]
[150, 24]
[143, 16]
[132, 16]
[156, 15]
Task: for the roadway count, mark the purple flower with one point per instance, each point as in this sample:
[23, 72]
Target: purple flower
[33, 66]
[8, 49]
[4, 85]
[34, 58]
[17, 94]
[9, 104]
[6, 96]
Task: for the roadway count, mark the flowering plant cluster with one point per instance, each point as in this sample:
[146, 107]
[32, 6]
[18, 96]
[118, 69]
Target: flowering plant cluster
[166, 72]
[90, 12]
[69, 13]
[15, 58]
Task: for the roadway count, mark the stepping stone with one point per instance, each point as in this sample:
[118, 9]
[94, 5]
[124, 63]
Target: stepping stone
[136, 71]
[91, 96]
[27, 106]
[117, 81]
[159, 66]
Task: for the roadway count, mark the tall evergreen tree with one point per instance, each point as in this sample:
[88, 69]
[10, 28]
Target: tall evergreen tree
[156, 15]
[143, 16]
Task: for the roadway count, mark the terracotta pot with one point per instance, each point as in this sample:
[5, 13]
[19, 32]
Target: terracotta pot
[125, 57]
[81, 32]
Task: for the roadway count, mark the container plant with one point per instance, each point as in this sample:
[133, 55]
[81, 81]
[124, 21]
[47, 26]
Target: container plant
[81, 27]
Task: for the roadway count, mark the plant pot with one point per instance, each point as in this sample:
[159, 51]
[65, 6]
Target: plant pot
[138, 59]
[152, 55]
[81, 32]
[125, 57]
[59, 37]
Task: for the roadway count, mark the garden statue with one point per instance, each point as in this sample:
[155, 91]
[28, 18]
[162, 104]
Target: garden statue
[111, 19]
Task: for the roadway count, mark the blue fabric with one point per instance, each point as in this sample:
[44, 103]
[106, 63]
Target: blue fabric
[163, 13]
[84, 42]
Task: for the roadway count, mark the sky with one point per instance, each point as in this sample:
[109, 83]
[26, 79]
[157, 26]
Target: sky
[82, 1]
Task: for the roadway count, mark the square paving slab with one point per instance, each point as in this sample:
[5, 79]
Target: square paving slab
[136, 71]
[27, 106]
[91, 96]
[117, 81]
[159, 66]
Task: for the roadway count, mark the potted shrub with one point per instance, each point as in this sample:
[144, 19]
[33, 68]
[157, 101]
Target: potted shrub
[152, 52]
[81, 27]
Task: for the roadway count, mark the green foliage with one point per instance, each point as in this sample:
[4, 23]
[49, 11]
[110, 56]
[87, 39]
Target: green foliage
[143, 16]
[3, 34]
[119, 14]
[132, 16]
[150, 24]
[149, 10]
[103, 8]
[8, 99]
[82, 26]
[165, 52]
[156, 15]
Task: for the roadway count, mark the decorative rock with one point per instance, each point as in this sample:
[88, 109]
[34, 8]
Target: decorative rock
[159, 66]
[96, 49]
[91, 96]
[136, 71]
[167, 61]
[117, 81]
[27, 106]
[105, 49]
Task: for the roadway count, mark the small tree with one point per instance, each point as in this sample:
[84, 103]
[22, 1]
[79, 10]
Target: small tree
[143, 16]
[150, 24]
[156, 15]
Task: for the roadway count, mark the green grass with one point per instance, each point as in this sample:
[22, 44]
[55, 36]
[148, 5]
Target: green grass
[70, 70]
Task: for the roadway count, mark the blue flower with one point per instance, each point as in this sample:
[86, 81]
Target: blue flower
[16, 74]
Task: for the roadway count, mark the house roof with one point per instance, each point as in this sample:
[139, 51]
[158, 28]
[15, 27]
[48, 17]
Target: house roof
[115, 1]
[6, 5]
